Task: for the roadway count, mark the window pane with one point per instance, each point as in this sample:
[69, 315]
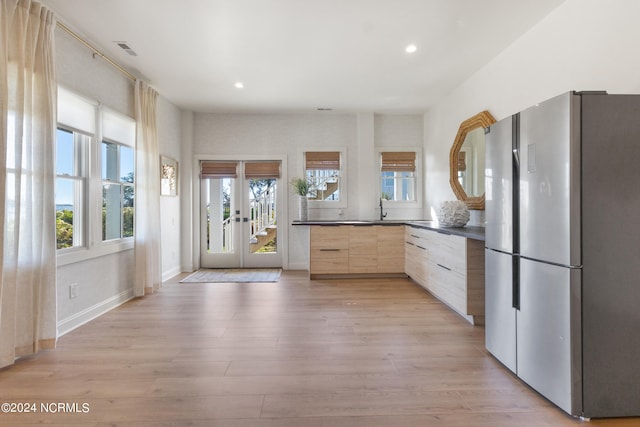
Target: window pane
[127, 166]
[65, 153]
[66, 208]
[109, 158]
[325, 184]
[128, 211]
[111, 212]
[398, 186]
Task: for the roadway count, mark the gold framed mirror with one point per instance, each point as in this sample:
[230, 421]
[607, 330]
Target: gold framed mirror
[466, 160]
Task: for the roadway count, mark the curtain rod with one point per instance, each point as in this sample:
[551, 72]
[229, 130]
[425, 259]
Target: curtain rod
[96, 51]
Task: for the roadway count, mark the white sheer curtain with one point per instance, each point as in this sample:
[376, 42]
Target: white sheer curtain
[148, 270]
[27, 205]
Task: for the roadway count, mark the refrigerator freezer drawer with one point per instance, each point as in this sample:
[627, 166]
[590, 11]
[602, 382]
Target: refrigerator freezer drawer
[546, 354]
[500, 316]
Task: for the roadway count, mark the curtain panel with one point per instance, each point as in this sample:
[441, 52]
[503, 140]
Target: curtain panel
[148, 269]
[27, 175]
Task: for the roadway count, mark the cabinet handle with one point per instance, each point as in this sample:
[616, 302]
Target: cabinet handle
[413, 235]
[329, 250]
[418, 246]
[409, 243]
[446, 268]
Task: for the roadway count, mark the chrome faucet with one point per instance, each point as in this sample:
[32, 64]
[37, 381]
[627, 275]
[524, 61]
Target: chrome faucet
[382, 216]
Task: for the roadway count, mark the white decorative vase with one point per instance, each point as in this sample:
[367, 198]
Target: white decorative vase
[303, 211]
[453, 214]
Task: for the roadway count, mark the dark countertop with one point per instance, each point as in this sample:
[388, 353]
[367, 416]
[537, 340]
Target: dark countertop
[470, 232]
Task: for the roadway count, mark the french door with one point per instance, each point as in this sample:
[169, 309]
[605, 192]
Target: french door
[239, 205]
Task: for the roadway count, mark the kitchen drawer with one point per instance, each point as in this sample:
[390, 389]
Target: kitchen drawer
[328, 237]
[329, 261]
[448, 285]
[417, 263]
[449, 251]
[417, 236]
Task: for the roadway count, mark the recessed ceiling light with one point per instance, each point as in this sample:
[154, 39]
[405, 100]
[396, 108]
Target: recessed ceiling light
[239, 85]
[411, 48]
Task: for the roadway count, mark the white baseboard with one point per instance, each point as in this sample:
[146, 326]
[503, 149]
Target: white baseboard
[187, 269]
[298, 266]
[88, 314]
[166, 275]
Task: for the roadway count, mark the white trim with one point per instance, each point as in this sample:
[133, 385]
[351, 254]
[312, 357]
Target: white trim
[74, 255]
[195, 264]
[85, 316]
[342, 183]
[419, 174]
[171, 273]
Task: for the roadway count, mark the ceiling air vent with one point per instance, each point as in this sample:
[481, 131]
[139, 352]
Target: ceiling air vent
[124, 46]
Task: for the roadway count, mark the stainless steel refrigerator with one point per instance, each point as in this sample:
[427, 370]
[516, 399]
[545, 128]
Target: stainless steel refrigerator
[562, 250]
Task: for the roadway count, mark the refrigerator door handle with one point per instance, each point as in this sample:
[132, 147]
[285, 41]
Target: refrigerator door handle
[516, 157]
[515, 289]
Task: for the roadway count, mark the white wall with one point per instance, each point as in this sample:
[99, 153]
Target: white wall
[582, 45]
[169, 121]
[289, 135]
[106, 281]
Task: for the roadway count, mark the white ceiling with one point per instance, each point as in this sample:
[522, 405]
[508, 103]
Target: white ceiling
[300, 55]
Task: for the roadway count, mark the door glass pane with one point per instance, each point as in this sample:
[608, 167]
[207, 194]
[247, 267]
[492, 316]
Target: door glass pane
[221, 214]
[263, 232]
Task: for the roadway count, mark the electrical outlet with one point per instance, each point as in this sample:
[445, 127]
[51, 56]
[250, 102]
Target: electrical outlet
[73, 290]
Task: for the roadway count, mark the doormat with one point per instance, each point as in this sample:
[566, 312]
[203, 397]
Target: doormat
[238, 275]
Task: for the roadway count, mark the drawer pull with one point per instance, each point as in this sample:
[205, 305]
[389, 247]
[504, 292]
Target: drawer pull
[446, 268]
[329, 250]
[409, 243]
[418, 246]
[413, 235]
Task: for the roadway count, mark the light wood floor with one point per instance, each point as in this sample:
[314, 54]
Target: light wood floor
[294, 353]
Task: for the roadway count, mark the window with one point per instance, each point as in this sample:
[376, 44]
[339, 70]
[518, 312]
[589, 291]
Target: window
[398, 175]
[71, 148]
[322, 169]
[118, 177]
[94, 152]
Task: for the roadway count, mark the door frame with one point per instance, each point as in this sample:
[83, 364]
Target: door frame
[283, 214]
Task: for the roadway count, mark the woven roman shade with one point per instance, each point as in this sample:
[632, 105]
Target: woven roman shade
[398, 161]
[218, 170]
[322, 160]
[262, 170]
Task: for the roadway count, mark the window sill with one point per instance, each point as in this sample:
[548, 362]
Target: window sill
[75, 255]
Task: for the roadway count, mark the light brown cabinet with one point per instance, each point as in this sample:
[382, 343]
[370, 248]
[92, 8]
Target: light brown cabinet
[390, 249]
[356, 250]
[450, 267]
[329, 252]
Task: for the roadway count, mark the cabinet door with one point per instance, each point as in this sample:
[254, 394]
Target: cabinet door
[363, 249]
[390, 248]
